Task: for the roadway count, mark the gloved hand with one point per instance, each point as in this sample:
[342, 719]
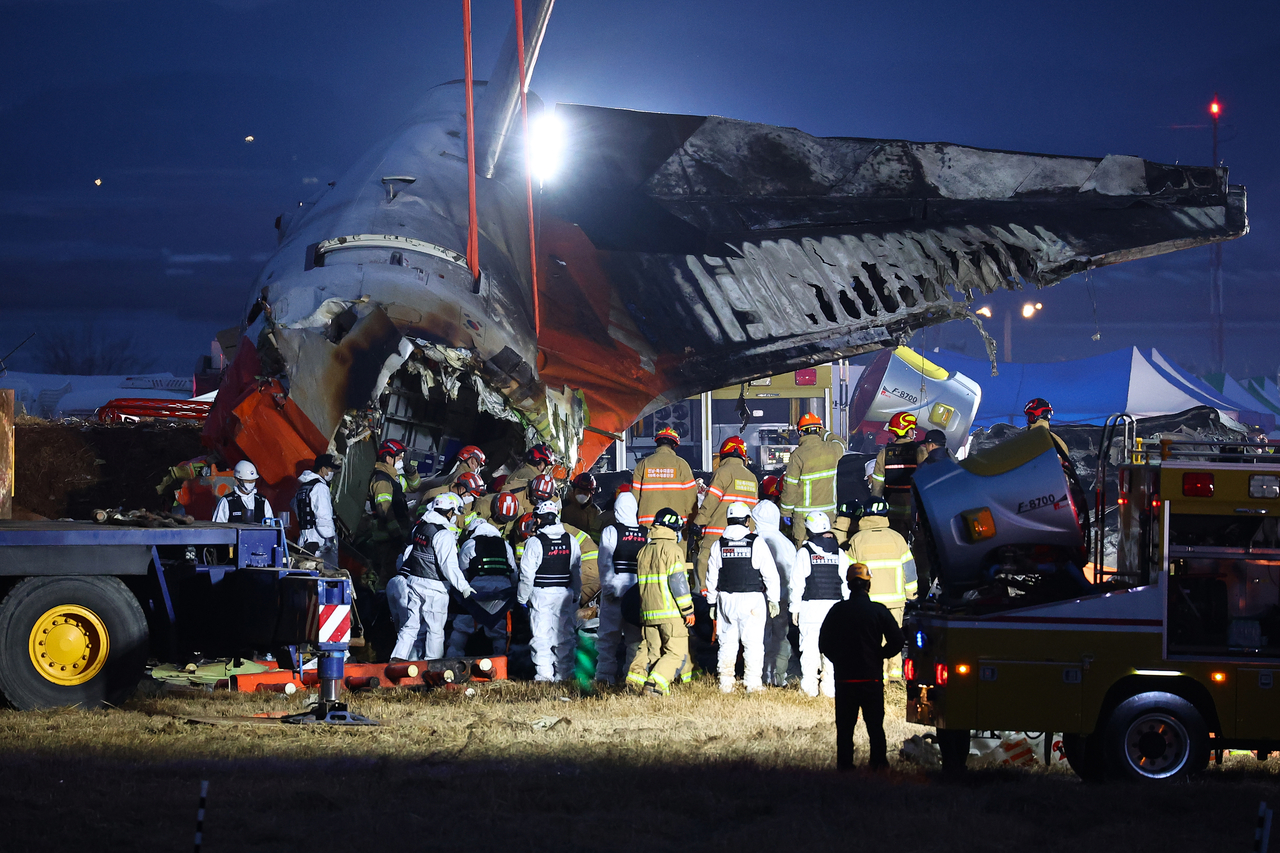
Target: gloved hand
[774, 609]
[795, 619]
[410, 467]
[688, 620]
[713, 613]
[695, 531]
[467, 593]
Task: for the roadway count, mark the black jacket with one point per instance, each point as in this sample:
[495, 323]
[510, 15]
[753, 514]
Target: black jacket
[851, 638]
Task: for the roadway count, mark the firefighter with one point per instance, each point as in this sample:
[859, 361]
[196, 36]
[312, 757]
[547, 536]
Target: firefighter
[541, 488]
[893, 568]
[742, 584]
[489, 565]
[895, 464]
[777, 645]
[243, 505]
[549, 584]
[810, 481]
[392, 479]
[620, 544]
[857, 635]
[471, 489]
[666, 608]
[537, 460]
[429, 571]
[663, 479]
[817, 583]
[590, 570]
[771, 489]
[1039, 413]
[732, 482]
[470, 460]
[580, 509]
[313, 506]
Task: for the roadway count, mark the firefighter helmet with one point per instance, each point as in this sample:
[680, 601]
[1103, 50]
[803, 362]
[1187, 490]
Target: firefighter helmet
[734, 446]
[470, 452]
[539, 454]
[506, 507]
[738, 511]
[771, 487]
[585, 482]
[446, 502]
[471, 481]
[245, 470]
[547, 513]
[527, 525]
[817, 522]
[667, 434]
[668, 518]
[809, 421]
[542, 488]
[390, 447]
[1038, 409]
[858, 572]
[876, 507]
[902, 423]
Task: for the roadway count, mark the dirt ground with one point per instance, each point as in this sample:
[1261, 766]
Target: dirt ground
[526, 767]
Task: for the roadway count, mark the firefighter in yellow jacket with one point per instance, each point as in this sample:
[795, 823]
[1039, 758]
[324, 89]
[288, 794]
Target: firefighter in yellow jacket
[666, 609]
[733, 481]
[663, 479]
[810, 481]
[895, 466]
[893, 569]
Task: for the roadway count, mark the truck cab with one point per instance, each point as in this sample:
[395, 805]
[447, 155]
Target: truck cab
[1145, 666]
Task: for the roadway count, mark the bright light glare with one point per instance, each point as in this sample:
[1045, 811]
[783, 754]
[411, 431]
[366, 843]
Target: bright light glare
[248, 139]
[1038, 306]
[984, 311]
[546, 146]
[1028, 310]
[97, 182]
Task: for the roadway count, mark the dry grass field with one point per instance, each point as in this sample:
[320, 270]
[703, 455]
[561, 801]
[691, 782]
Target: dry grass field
[522, 767]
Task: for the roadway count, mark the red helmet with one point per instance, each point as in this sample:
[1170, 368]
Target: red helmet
[506, 507]
[527, 525]
[624, 486]
[390, 447]
[734, 446]
[1037, 409]
[472, 482]
[668, 434]
[539, 454]
[542, 488]
[771, 487]
[470, 452]
[902, 423]
[585, 482]
[809, 421]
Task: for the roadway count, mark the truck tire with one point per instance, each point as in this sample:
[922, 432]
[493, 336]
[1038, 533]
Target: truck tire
[1155, 736]
[76, 640]
[1084, 754]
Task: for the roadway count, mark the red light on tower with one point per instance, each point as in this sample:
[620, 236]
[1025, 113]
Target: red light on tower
[1215, 108]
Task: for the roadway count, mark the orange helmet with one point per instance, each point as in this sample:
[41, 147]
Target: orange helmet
[527, 525]
[470, 452]
[902, 423]
[771, 487]
[669, 434]
[809, 421]
[505, 508]
[471, 481]
[734, 446]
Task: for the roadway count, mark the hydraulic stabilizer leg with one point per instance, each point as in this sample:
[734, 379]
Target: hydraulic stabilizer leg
[332, 635]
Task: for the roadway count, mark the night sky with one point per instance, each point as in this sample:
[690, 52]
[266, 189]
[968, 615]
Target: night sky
[155, 99]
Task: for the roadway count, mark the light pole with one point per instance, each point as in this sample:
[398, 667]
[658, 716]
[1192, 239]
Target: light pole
[1217, 333]
[1028, 310]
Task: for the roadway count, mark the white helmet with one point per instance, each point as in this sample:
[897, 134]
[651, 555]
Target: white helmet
[446, 502]
[738, 511]
[817, 522]
[245, 470]
[550, 508]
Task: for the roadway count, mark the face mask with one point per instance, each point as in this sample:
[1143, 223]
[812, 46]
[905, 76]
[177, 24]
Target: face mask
[399, 466]
[582, 499]
[246, 487]
[328, 478]
[467, 499]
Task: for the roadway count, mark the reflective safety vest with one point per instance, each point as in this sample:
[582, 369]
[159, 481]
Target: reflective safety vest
[663, 479]
[490, 559]
[399, 504]
[656, 565]
[886, 554]
[553, 571]
[899, 467]
[239, 513]
[423, 560]
[737, 572]
[810, 481]
[823, 583]
[732, 482]
[627, 552]
[302, 505]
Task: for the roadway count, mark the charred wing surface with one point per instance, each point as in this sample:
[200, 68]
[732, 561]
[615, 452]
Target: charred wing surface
[741, 249]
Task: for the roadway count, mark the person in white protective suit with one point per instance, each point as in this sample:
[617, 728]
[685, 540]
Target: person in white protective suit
[817, 583]
[243, 505]
[777, 648]
[429, 571]
[620, 544]
[490, 566]
[742, 584]
[550, 580]
[313, 507]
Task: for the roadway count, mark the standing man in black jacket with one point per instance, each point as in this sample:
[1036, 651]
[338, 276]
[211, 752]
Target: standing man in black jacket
[857, 636]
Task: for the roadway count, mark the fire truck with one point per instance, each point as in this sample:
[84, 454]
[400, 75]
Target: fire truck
[1146, 666]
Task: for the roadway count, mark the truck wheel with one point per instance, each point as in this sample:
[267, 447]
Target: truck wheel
[1084, 754]
[70, 641]
[1155, 736]
[954, 746]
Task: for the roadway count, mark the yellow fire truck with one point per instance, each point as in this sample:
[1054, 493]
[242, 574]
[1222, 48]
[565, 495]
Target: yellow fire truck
[1145, 667]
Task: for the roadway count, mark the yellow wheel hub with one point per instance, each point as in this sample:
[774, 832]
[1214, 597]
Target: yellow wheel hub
[69, 644]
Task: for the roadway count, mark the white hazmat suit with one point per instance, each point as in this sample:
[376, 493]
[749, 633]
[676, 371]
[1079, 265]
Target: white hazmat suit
[740, 559]
[617, 639]
[777, 648]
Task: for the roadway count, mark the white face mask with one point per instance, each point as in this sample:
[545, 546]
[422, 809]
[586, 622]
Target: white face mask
[399, 466]
[246, 487]
[467, 499]
[581, 498]
[328, 477]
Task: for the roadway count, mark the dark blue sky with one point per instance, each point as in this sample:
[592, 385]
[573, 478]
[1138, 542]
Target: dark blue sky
[155, 99]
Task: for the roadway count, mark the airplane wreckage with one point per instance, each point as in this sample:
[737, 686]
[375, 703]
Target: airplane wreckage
[672, 254]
